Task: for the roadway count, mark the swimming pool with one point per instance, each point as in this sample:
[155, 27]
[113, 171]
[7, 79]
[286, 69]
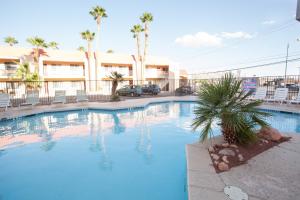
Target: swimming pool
[94, 154]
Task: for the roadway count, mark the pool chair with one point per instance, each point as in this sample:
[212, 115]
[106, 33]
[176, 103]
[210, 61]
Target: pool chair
[4, 100]
[280, 95]
[60, 96]
[32, 98]
[295, 101]
[260, 94]
[81, 96]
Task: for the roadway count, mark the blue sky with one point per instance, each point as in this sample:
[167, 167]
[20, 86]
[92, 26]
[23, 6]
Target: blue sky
[201, 35]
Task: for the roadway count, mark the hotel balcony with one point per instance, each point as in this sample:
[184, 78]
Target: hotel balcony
[154, 73]
[104, 72]
[8, 70]
[63, 71]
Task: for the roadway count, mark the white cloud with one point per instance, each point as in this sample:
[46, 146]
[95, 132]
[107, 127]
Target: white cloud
[200, 39]
[236, 35]
[268, 22]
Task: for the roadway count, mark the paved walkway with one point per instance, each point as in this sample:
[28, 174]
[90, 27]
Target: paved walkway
[132, 103]
[271, 175]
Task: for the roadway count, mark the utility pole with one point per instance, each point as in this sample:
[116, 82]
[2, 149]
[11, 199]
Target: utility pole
[286, 63]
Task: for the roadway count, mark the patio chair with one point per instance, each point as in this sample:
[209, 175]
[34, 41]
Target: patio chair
[4, 100]
[81, 96]
[296, 101]
[280, 95]
[32, 98]
[60, 96]
[260, 94]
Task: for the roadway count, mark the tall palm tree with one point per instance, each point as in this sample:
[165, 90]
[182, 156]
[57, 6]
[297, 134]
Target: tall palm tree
[98, 13]
[38, 45]
[81, 48]
[225, 102]
[53, 45]
[11, 41]
[89, 37]
[136, 30]
[116, 79]
[146, 18]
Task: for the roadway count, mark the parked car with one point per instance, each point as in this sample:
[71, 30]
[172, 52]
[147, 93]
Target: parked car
[183, 90]
[151, 89]
[293, 87]
[132, 90]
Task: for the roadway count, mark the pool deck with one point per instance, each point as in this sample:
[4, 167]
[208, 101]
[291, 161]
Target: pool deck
[15, 112]
[273, 174]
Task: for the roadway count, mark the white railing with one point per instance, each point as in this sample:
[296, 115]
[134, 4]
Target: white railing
[63, 71]
[154, 73]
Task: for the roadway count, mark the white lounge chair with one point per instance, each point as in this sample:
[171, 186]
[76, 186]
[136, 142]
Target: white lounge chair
[4, 100]
[260, 94]
[81, 96]
[32, 98]
[296, 101]
[60, 96]
[280, 95]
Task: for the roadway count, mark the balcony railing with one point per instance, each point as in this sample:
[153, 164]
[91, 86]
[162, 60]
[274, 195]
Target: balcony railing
[150, 73]
[7, 73]
[63, 71]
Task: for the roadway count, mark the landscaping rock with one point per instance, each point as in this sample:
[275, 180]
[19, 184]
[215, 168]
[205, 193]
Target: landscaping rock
[227, 152]
[225, 145]
[225, 159]
[233, 146]
[211, 149]
[222, 166]
[269, 133]
[216, 162]
[215, 156]
[241, 157]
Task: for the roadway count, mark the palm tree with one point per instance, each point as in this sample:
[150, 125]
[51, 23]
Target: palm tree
[30, 79]
[11, 41]
[116, 79]
[146, 18]
[38, 45]
[136, 30]
[225, 102]
[89, 37]
[81, 48]
[53, 45]
[98, 13]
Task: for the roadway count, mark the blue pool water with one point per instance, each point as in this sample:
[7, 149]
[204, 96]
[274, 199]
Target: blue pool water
[130, 154]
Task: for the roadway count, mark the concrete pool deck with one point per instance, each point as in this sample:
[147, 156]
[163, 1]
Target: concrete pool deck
[273, 174]
[15, 112]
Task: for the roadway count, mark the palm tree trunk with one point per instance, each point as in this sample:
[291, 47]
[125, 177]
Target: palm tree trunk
[139, 54]
[228, 134]
[98, 48]
[145, 50]
[36, 59]
[114, 87]
[89, 62]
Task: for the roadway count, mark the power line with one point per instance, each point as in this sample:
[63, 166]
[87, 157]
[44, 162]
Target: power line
[253, 66]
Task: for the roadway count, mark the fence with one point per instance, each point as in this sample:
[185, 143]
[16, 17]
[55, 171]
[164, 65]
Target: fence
[100, 90]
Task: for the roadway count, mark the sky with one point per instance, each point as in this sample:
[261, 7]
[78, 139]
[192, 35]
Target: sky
[199, 35]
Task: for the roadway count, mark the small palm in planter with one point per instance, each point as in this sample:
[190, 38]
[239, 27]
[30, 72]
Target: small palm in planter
[116, 79]
[224, 102]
